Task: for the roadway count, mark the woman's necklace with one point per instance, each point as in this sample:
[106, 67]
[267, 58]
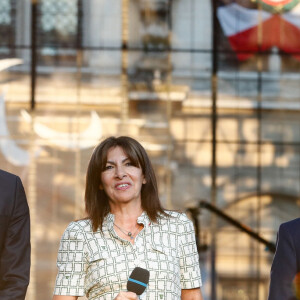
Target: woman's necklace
[129, 233]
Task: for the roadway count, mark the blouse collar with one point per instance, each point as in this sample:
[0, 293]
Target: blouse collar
[142, 219]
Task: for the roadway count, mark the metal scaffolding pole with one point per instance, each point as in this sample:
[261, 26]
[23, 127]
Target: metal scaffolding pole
[32, 201]
[259, 146]
[34, 4]
[214, 86]
[124, 75]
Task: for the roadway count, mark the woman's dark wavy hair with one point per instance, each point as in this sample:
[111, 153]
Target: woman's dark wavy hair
[96, 201]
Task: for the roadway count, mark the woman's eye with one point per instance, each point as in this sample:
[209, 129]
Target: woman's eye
[108, 167]
[128, 164]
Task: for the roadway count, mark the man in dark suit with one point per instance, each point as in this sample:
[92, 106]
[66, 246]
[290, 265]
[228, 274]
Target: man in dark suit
[14, 238]
[286, 262]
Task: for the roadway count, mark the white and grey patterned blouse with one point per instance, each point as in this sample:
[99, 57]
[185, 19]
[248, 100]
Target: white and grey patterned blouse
[98, 264]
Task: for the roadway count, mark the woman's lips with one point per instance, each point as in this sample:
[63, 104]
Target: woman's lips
[122, 186]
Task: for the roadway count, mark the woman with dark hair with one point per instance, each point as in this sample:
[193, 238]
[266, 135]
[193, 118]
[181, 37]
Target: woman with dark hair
[126, 227]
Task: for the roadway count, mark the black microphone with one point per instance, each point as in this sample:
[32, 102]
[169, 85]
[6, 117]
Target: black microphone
[138, 280]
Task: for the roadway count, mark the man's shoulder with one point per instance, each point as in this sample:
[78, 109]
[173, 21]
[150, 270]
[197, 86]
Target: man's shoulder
[13, 198]
[292, 224]
[4, 175]
[291, 228]
[8, 185]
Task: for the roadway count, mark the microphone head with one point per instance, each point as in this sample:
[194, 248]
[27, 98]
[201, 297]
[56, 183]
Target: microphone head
[138, 280]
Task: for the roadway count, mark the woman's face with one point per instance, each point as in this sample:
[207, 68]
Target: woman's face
[121, 181]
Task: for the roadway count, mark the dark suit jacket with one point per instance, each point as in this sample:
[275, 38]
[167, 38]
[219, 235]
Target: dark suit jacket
[286, 262]
[14, 238]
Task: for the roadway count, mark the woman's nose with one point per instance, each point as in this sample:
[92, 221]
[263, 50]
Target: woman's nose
[120, 172]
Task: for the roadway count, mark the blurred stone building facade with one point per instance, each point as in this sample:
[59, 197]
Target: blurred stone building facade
[144, 68]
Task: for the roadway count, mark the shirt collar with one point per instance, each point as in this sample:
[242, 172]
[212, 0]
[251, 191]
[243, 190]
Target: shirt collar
[142, 219]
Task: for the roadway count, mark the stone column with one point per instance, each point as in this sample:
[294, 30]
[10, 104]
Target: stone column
[191, 29]
[23, 29]
[102, 28]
